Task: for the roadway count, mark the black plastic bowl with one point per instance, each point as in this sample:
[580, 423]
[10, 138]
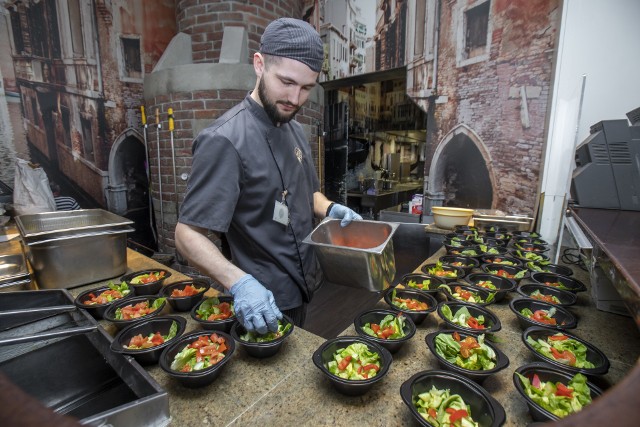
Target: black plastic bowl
[324, 354]
[509, 269]
[500, 259]
[223, 325]
[147, 327]
[572, 285]
[485, 410]
[97, 310]
[484, 293]
[550, 268]
[119, 324]
[376, 316]
[531, 247]
[467, 263]
[185, 303]
[491, 321]
[529, 234]
[502, 361]
[260, 349]
[417, 316]
[460, 273]
[502, 284]
[564, 318]
[594, 354]
[150, 288]
[500, 249]
[459, 246]
[459, 250]
[566, 298]
[493, 243]
[524, 260]
[545, 373]
[202, 377]
[534, 240]
[499, 235]
[465, 229]
[432, 286]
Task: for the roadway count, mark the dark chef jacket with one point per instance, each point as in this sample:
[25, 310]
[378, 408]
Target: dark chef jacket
[241, 165]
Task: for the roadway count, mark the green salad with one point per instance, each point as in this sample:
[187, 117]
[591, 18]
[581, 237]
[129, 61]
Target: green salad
[390, 328]
[212, 309]
[355, 362]
[283, 328]
[463, 318]
[423, 285]
[558, 398]
[563, 349]
[140, 342]
[202, 353]
[439, 270]
[489, 250]
[469, 252]
[442, 409]
[539, 266]
[469, 353]
[531, 256]
[468, 296]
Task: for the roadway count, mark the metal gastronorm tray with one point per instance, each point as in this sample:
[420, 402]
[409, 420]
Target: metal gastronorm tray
[77, 374]
[54, 224]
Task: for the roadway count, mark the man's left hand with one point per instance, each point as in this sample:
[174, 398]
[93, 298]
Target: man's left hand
[344, 213]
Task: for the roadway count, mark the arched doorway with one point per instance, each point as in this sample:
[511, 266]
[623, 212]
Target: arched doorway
[128, 191]
[460, 173]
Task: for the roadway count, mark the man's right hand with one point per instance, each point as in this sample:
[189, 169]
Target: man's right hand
[254, 305]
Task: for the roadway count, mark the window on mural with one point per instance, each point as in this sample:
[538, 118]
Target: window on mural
[477, 24]
[131, 56]
[87, 139]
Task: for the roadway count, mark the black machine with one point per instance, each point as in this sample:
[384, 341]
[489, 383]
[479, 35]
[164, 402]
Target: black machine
[607, 173]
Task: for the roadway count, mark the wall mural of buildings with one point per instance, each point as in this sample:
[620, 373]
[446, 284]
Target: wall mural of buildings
[475, 81]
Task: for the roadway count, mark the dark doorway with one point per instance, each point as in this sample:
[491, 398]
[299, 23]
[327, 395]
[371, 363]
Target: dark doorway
[465, 177]
[133, 165]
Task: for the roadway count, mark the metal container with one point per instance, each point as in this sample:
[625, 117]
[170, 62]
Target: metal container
[359, 255]
[69, 355]
[73, 248]
[487, 218]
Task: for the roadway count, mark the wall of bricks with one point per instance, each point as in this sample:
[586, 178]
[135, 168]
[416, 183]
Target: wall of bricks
[204, 21]
[486, 95]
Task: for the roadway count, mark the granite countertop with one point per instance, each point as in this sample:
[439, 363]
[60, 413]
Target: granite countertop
[288, 389]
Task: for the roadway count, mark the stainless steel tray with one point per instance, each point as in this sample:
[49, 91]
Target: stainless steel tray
[76, 373]
[13, 268]
[359, 255]
[67, 223]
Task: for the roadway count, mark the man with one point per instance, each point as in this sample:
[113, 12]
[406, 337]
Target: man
[253, 179]
[63, 203]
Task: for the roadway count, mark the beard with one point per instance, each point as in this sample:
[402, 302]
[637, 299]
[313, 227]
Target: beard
[271, 107]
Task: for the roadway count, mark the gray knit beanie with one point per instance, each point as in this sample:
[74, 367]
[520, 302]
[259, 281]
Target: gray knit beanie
[294, 39]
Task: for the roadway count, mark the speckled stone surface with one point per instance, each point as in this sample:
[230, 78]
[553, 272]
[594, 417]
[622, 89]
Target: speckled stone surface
[288, 389]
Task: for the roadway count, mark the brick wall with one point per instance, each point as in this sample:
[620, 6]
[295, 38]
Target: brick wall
[205, 20]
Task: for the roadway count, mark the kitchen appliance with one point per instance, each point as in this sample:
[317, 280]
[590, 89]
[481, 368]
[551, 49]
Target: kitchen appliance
[359, 255]
[60, 356]
[607, 173]
[73, 248]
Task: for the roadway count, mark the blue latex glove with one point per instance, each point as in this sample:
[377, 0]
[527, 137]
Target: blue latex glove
[344, 213]
[254, 305]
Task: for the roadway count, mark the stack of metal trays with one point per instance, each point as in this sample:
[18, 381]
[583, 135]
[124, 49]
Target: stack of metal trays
[14, 274]
[59, 355]
[73, 248]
